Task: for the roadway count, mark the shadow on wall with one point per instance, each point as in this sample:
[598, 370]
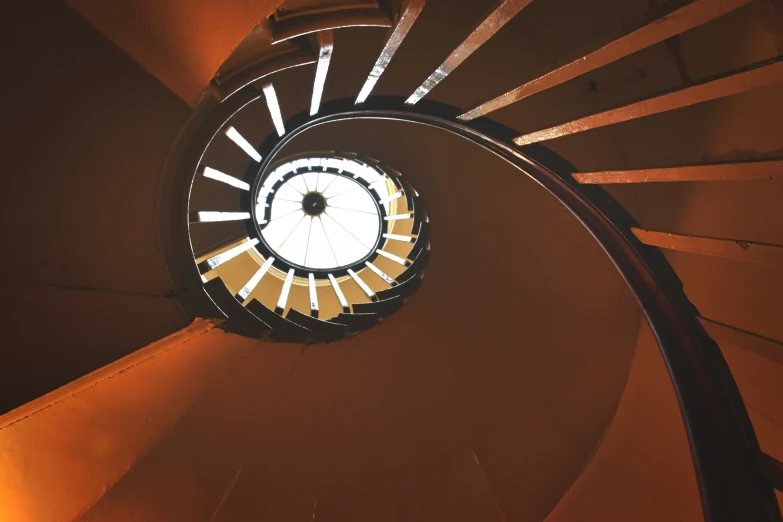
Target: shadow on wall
[88, 131]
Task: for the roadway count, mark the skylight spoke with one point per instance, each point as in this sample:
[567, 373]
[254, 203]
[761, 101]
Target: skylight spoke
[328, 242]
[352, 188]
[310, 180]
[297, 183]
[282, 208]
[294, 211]
[242, 143]
[339, 185]
[325, 181]
[365, 230]
[352, 210]
[347, 248]
[277, 232]
[307, 242]
[319, 253]
[355, 200]
[294, 246]
[287, 191]
[348, 231]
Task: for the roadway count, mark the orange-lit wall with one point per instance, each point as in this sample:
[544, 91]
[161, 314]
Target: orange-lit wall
[181, 42]
[642, 470]
[84, 285]
[64, 450]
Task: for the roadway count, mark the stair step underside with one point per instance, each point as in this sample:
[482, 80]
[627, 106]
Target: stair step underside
[240, 320]
[321, 330]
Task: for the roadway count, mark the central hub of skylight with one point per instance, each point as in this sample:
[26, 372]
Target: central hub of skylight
[321, 213]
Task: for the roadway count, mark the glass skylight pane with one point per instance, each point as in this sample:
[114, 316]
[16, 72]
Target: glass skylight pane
[381, 187]
[276, 231]
[310, 180]
[319, 251]
[364, 226]
[370, 175]
[340, 186]
[359, 200]
[294, 247]
[282, 208]
[324, 181]
[287, 192]
[297, 183]
[346, 247]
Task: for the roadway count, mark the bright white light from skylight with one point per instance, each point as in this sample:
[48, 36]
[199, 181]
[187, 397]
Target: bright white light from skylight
[321, 220]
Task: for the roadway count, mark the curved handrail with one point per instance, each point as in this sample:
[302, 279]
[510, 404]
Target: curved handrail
[723, 444]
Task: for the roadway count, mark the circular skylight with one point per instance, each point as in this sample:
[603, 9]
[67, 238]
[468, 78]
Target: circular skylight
[323, 213]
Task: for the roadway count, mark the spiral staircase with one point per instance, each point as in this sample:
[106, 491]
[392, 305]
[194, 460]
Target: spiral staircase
[723, 444]
[307, 210]
[234, 173]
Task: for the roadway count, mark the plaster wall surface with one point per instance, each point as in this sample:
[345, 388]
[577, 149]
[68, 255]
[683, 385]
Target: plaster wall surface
[86, 131]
